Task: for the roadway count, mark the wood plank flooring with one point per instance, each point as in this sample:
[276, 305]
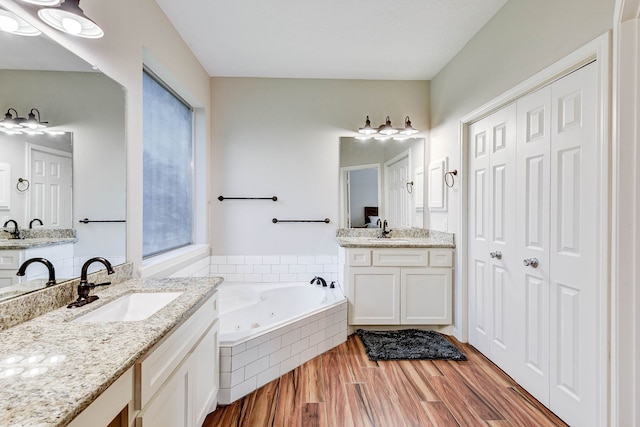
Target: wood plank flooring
[344, 388]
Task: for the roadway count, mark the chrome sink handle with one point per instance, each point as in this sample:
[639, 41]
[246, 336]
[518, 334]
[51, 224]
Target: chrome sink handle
[496, 254]
[531, 262]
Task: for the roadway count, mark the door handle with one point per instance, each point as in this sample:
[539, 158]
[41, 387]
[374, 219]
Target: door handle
[531, 262]
[496, 254]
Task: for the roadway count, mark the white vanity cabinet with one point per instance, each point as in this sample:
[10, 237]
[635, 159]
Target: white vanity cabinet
[398, 286]
[177, 381]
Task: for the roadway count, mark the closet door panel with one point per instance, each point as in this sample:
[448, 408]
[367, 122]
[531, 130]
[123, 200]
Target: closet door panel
[502, 196]
[492, 227]
[480, 308]
[573, 247]
[532, 243]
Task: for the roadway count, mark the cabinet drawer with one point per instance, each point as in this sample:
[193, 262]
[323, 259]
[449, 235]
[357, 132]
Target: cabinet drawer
[400, 257]
[156, 367]
[440, 258]
[359, 257]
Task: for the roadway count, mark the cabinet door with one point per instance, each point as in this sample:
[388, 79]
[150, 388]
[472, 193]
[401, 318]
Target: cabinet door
[374, 296]
[9, 264]
[426, 296]
[204, 379]
[170, 407]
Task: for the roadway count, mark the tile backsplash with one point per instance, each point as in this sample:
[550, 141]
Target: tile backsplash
[264, 268]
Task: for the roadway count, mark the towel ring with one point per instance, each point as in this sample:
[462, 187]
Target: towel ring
[409, 187]
[22, 185]
[449, 178]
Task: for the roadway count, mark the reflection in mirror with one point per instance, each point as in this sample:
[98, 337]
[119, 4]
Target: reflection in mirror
[28, 158]
[381, 180]
[89, 107]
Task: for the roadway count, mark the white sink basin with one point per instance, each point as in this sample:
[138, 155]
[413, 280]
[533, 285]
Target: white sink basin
[385, 240]
[130, 307]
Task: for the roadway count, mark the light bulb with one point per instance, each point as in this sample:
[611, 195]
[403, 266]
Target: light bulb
[8, 24]
[71, 26]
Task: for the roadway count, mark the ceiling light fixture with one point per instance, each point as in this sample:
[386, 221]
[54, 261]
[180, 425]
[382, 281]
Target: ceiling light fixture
[32, 123]
[69, 18]
[386, 130]
[13, 24]
[11, 122]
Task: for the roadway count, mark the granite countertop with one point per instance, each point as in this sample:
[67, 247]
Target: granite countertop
[35, 242]
[51, 368]
[36, 237]
[400, 238]
[394, 242]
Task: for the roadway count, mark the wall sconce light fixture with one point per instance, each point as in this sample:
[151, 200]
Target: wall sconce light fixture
[32, 123]
[367, 129]
[69, 18]
[408, 129]
[11, 122]
[12, 23]
[386, 131]
[43, 2]
[63, 15]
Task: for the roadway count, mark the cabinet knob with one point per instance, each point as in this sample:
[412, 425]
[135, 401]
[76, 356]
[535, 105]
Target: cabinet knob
[531, 262]
[496, 254]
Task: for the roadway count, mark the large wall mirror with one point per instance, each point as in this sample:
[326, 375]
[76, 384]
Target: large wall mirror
[381, 180]
[89, 107]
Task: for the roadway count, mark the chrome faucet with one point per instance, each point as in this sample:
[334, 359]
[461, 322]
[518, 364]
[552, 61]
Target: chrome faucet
[46, 262]
[319, 280]
[385, 233]
[15, 234]
[34, 220]
[84, 287]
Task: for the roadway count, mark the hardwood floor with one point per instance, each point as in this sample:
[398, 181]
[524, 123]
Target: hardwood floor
[344, 388]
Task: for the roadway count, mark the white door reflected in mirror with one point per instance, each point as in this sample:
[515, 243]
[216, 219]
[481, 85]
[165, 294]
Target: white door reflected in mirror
[393, 187]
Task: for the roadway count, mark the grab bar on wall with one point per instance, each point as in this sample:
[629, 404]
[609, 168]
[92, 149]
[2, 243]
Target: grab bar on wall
[276, 220]
[87, 220]
[274, 198]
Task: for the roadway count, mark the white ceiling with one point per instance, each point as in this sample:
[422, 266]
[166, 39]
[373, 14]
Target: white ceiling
[333, 39]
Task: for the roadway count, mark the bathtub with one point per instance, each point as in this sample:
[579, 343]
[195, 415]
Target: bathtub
[268, 329]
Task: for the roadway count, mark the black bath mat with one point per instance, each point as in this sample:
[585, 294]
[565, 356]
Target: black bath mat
[408, 344]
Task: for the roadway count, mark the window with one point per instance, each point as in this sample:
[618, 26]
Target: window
[167, 168]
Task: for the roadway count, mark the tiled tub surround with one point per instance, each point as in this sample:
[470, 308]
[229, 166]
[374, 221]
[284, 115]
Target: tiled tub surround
[90, 356]
[34, 304]
[299, 268]
[273, 268]
[252, 353]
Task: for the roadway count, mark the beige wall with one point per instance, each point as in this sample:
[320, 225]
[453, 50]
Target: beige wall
[134, 30]
[281, 137]
[523, 38]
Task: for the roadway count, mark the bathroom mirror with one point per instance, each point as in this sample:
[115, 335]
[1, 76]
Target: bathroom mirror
[381, 180]
[36, 72]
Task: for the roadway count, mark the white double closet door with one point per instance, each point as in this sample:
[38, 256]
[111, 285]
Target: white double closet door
[532, 246]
